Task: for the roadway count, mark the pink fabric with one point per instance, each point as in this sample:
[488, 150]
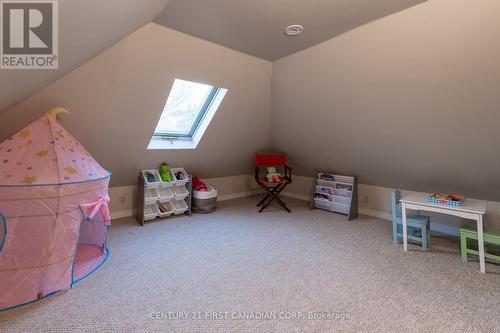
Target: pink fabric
[90, 210]
[44, 223]
[88, 257]
[44, 153]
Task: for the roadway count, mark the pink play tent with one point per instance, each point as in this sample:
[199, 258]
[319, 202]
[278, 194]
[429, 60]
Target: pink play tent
[53, 212]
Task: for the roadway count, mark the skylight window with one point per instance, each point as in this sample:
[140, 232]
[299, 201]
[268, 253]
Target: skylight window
[189, 109]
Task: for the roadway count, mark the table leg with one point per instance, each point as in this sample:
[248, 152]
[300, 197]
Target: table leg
[480, 240]
[405, 226]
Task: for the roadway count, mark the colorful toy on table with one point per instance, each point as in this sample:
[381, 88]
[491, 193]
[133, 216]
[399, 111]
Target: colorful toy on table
[446, 199]
[198, 185]
[272, 175]
[165, 172]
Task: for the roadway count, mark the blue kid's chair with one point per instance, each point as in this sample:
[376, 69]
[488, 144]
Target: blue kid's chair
[418, 225]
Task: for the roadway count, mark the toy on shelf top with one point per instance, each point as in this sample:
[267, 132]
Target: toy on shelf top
[165, 172]
[446, 199]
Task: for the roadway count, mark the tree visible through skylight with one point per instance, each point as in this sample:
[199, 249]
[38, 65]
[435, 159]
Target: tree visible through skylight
[185, 105]
[186, 116]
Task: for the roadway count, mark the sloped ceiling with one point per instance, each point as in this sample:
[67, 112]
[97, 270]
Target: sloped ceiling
[116, 100]
[409, 101]
[86, 28]
[256, 27]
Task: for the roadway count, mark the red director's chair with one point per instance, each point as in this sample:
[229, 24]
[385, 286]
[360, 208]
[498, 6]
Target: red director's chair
[273, 189]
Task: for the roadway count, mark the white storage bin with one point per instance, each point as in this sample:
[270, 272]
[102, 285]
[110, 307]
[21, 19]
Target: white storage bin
[179, 181]
[322, 203]
[151, 211]
[168, 184]
[165, 194]
[180, 192]
[166, 209]
[336, 207]
[341, 200]
[210, 193]
[156, 176]
[150, 195]
[180, 206]
[205, 201]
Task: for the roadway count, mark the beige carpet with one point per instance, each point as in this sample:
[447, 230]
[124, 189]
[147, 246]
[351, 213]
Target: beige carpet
[270, 272]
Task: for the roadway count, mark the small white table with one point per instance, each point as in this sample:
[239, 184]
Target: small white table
[470, 209]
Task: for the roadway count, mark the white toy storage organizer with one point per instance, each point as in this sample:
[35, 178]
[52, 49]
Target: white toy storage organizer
[157, 200]
[335, 193]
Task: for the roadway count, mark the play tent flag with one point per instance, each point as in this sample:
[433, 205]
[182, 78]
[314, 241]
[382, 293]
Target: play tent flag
[53, 212]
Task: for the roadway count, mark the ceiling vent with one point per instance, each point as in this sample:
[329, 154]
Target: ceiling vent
[294, 30]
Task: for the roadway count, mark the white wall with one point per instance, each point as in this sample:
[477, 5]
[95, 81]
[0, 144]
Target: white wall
[124, 198]
[116, 100]
[410, 101]
[373, 200]
[376, 201]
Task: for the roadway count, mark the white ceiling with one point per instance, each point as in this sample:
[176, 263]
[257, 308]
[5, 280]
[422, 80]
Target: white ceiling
[86, 28]
[257, 27]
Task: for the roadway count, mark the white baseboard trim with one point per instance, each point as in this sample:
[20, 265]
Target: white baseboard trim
[375, 213]
[295, 196]
[131, 212]
[237, 195]
[365, 211]
[122, 213]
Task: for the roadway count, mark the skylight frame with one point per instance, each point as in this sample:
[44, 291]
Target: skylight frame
[165, 140]
[198, 119]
